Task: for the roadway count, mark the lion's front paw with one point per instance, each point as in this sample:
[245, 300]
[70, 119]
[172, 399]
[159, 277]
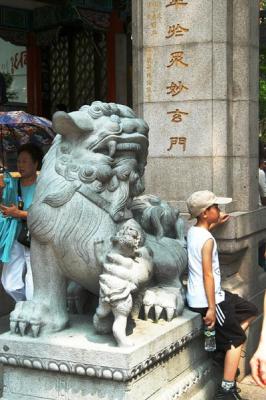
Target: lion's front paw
[32, 318]
[163, 298]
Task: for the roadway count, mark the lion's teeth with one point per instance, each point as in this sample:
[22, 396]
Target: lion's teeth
[112, 147]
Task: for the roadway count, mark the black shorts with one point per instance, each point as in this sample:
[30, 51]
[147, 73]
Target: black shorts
[230, 313]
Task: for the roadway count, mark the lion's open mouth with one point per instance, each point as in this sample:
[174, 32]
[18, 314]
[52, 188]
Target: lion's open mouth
[112, 144]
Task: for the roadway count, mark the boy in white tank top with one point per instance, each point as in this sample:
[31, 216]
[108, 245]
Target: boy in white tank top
[227, 312]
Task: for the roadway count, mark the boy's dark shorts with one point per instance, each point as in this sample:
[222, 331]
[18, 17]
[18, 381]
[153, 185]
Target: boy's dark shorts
[230, 313]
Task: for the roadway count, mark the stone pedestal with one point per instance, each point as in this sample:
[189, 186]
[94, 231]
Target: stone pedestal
[167, 361]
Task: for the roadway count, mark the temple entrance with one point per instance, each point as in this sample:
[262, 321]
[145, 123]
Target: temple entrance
[75, 54]
[74, 69]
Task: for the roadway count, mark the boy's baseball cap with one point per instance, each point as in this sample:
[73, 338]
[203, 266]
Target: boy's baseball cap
[201, 200]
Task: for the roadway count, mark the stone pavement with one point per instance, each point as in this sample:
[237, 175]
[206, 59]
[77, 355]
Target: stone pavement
[250, 391]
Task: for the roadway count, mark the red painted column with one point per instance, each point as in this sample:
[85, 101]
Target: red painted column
[116, 26]
[33, 76]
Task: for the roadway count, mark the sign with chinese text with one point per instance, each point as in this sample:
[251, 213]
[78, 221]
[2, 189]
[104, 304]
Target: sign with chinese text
[13, 65]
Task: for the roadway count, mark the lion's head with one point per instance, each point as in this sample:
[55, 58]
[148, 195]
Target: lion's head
[103, 146]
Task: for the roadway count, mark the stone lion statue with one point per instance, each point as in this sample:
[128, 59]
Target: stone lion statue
[88, 189]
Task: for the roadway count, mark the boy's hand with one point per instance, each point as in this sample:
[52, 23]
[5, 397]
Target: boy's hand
[210, 318]
[223, 218]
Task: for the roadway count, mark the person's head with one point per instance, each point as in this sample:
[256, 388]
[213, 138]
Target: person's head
[205, 205]
[61, 107]
[261, 163]
[29, 159]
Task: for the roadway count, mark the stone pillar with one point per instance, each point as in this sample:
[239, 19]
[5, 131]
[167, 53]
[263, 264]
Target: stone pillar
[196, 84]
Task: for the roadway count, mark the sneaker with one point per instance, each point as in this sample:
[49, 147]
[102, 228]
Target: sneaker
[232, 394]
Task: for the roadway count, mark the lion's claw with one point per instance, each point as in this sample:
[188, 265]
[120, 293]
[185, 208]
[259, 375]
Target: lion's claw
[30, 316]
[146, 311]
[168, 299]
[22, 325]
[158, 311]
[170, 312]
[13, 326]
[35, 329]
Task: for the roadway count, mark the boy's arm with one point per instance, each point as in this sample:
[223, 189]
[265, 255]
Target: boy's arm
[208, 281]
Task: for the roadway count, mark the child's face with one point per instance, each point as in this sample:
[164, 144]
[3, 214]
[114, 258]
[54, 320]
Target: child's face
[212, 213]
[127, 238]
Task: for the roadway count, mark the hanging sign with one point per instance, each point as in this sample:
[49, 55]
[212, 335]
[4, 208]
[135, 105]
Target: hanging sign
[13, 66]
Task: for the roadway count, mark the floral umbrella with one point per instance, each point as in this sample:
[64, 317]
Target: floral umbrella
[18, 127]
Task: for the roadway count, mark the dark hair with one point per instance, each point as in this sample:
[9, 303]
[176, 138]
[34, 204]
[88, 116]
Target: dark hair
[61, 107]
[34, 151]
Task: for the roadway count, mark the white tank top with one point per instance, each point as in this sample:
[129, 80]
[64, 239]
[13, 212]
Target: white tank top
[196, 296]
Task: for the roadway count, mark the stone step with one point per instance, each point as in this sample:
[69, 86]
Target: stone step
[250, 390]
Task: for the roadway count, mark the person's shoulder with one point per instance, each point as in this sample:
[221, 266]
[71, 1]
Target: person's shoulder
[196, 233]
[199, 231]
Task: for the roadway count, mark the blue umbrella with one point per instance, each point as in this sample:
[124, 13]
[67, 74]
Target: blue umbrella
[19, 127]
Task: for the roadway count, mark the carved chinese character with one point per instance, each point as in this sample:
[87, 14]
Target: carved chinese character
[176, 30]
[175, 88]
[177, 59]
[183, 142]
[154, 16]
[177, 115]
[176, 3]
[153, 4]
[174, 140]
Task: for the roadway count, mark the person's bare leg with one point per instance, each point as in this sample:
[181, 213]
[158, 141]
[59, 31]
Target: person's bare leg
[232, 356]
[246, 323]
[231, 362]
